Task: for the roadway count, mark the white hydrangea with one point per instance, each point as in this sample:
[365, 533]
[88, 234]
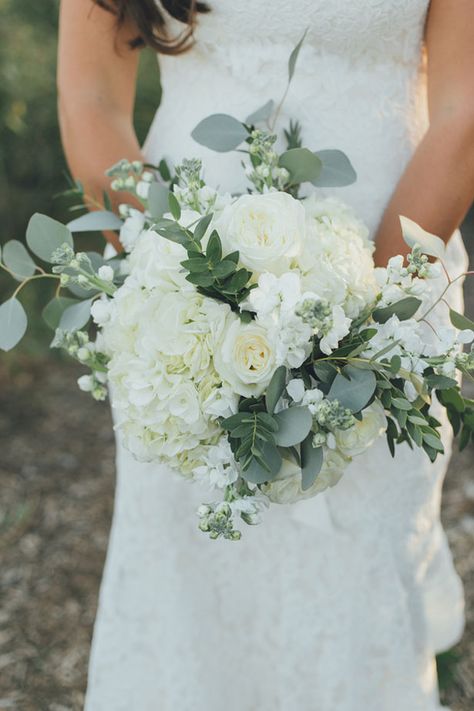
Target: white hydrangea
[336, 261]
[160, 336]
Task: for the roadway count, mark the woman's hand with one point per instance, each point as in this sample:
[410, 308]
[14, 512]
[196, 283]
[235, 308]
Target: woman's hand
[97, 72]
[437, 187]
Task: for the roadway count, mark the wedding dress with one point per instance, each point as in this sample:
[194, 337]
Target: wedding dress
[338, 603]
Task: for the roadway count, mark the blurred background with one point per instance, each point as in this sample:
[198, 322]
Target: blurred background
[56, 444]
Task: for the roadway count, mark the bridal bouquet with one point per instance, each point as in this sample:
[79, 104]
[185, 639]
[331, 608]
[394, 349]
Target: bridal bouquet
[248, 340]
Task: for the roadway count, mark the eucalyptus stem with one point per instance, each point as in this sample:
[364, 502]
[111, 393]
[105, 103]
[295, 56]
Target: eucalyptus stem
[36, 276]
[440, 298]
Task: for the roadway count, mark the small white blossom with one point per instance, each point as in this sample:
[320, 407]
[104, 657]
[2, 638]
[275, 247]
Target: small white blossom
[106, 272]
[86, 383]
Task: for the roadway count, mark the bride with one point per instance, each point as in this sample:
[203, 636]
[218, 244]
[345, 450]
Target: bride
[338, 603]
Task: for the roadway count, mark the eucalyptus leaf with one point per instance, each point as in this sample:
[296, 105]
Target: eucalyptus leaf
[433, 442]
[404, 309]
[401, 404]
[76, 316]
[174, 206]
[336, 169]
[294, 57]
[201, 227]
[325, 371]
[256, 473]
[158, 199]
[214, 248]
[353, 388]
[440, 382]
[311, 462]
[220, 132]
[294, 424]
[460, 321]
[275, 388]
[261, 114]
[44, 235]
[55, 308]
[413, 235]
[302, 165]
[13, 323]
[223, 269]
[17, 259]
[95, 221]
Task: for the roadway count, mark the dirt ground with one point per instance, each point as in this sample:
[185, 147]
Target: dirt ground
[56, 497]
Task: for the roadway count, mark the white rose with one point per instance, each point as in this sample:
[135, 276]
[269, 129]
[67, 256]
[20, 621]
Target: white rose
[363, 433]
[246, 357]
[156, 262]
[268, 230]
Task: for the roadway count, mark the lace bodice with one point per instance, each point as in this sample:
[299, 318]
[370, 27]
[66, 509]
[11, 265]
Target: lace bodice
[358, 86]
[379, 30]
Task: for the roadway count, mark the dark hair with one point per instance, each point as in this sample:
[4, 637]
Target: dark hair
[150, 20]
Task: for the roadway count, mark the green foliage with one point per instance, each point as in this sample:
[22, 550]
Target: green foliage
[13, 323]
[252, 437]
[353, 388]
[213, 274]
[404, 309]
[261, 114]
[220, 132]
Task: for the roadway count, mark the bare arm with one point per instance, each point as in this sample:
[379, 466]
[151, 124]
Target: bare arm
[96, 84]
[437, 187]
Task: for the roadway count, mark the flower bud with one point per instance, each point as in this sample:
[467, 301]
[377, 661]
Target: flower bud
[106, 273]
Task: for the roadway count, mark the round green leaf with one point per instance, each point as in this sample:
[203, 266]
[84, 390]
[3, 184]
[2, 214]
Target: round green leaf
[158, 199]
[220, 132]
[95, 221]
[294, 425]
[261, 114]
[302, 165]
[76, 316]
[17, 259]
[353, 388]
[55, 308]
[336, 169]
[257, 474]
[13, 323]
[44, 235]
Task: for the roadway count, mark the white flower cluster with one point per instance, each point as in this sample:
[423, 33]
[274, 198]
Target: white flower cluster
[180, 360]
[182, 357]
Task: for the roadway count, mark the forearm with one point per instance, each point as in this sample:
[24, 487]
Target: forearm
[436, 189]
[94, 138]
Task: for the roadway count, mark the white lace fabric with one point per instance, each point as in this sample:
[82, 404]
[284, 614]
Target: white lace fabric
[339, 603]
